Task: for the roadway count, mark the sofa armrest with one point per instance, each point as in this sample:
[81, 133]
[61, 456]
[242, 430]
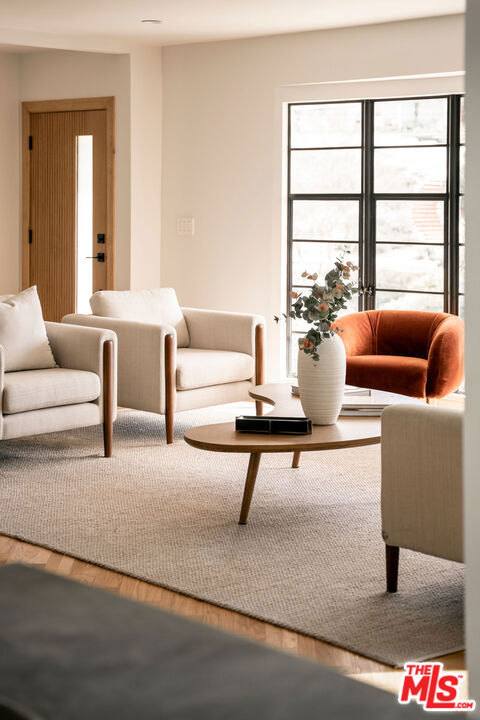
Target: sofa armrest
[82, 348]
[219, 330]
[141, 359]
[445, 358]
[422, 479]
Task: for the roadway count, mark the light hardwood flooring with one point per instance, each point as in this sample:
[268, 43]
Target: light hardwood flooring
[361, 668]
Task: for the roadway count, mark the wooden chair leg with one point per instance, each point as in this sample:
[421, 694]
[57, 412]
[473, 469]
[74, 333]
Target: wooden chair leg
[392, 554]
[259, 361]
[108, 389]
[169, 386]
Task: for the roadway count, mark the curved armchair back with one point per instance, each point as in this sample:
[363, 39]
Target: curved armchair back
[405, 332]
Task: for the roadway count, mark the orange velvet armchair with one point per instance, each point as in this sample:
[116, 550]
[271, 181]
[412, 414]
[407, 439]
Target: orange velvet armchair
[413, 353]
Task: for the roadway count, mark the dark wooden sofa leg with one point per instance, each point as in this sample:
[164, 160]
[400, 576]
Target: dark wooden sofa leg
[108, 397]
[259, 364]
[392, 555]
[169, 387]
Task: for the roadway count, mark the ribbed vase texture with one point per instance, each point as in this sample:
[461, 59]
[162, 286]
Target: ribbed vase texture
[321, 384]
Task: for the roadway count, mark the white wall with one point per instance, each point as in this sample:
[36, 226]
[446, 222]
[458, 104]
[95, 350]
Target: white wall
[146, 167]
[472, 315]
[63, 74]
[221, 150]
[9, 175]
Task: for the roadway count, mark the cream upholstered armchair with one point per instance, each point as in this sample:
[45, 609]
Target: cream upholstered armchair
[171, 358]
[421, 483]
[79, 392]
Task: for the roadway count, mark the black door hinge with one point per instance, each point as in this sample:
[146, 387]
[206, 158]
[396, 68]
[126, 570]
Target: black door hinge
[30, 142]
[29, 237]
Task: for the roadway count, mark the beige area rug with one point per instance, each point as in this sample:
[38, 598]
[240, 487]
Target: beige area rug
[311, 557]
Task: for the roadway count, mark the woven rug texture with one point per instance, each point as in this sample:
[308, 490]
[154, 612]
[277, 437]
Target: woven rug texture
[311, 557]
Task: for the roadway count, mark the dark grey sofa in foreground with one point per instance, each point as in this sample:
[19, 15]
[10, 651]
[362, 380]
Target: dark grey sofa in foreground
[70, 652]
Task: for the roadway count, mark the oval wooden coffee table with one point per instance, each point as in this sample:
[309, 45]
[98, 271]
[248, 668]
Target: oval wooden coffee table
[347, 432]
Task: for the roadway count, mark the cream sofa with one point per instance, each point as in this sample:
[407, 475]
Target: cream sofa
[421, 483]
[171, 358]
[80, 392]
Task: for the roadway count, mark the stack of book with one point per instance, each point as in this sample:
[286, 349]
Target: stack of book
[364, 407]
[349, 390]
[362, 402]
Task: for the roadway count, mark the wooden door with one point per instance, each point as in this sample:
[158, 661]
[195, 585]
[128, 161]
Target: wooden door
[67, 205]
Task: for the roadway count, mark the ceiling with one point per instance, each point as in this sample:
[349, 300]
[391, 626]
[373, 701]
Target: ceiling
[201, 20]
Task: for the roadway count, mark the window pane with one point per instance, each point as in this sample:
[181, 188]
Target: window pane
[333, 125]
[318, 257]
[418, 170]
[461, 268]
[462, 119]
[409, 267]
[409, 221]
[325, 220]
[461, 306]
[461, 222]
[411, 122]
[326, 171]
[462, 169]
[294, 354]
[408, 301]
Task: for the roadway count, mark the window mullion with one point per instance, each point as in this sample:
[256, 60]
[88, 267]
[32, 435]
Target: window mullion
[452, 212]
[368, 209]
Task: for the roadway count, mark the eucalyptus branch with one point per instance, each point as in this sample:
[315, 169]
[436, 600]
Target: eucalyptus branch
[321, 304]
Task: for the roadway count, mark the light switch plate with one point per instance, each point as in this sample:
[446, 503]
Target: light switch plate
[185, 226]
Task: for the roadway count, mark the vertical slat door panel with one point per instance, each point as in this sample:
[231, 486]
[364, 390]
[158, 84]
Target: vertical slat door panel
[53, 205]
[53, 210]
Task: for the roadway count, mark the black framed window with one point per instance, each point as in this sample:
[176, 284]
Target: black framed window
[385, 179]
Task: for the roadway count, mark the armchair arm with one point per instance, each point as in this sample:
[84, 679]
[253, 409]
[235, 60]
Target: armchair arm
[141, 359]
[445, 358]
[219, 330]
[82, 348]
[422, 479]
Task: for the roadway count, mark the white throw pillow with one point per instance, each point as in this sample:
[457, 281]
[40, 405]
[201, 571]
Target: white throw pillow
[150, 306]
[22, 332]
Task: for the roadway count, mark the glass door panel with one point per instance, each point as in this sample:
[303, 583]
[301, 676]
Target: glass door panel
[84, 225]
[410, 221]
[326, 220]
[330, 125]
[410, 267]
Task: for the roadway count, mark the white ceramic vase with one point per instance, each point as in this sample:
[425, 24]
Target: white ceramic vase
[321, 383]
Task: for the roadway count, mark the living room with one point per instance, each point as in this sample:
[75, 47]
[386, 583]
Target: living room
[237, 150]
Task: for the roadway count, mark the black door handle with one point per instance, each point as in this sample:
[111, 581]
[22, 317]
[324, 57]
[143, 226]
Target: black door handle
[99, 256]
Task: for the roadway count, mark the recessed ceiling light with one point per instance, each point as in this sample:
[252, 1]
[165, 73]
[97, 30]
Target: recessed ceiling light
[152, 22]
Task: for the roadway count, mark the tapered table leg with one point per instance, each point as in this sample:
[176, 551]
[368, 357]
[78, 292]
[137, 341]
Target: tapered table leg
[296, 459]
[253, 464]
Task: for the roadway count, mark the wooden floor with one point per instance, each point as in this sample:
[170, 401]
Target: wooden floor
[361, 668]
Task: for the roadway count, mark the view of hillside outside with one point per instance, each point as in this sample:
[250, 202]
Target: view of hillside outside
[381, 178]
